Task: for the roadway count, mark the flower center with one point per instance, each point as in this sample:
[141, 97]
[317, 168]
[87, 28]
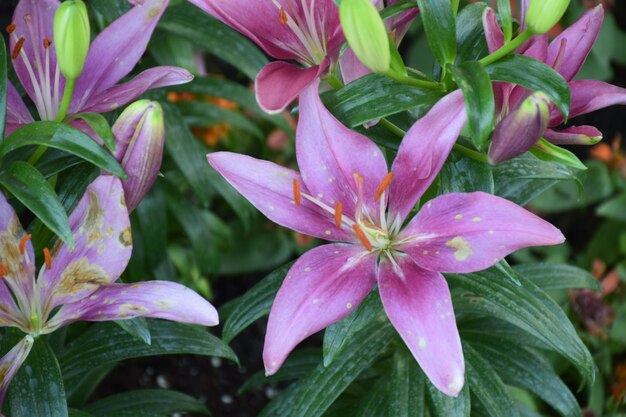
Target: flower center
[301, 19]
[47, 91]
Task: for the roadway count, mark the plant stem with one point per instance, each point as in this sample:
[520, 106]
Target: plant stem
[470, 153]
[68, 92]
[405, 79]
[392, 128]
[334, 82]
[507, 48]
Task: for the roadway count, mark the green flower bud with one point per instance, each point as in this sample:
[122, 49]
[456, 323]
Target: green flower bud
[542, 15]
[366, 34]
[71, 37]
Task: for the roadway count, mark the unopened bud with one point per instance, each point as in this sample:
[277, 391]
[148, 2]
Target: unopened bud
[366, 34]
[140, 136]
[71, 37]
[521, 129]
[542, 15]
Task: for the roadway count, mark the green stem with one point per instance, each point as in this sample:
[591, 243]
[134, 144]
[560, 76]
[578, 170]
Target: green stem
[35, 157]
[68, 92]
[334, 82]
[405, 79]
[507, 48]
[480, 157]
[392, 128]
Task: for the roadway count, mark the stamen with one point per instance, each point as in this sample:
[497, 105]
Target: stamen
[47, 258]
[297, 197]
[364, 240]
[338, 214]
[384, 184]
[3, 270]
[23, 243]
[46, 43]
[18, 48]
[283, 16]
[11, 28]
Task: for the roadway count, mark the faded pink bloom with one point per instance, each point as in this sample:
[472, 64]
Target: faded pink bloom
[345, 193]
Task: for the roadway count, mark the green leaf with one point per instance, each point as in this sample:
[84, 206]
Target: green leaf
[37, 389]
[241, 312]
[99, 124]
[439, 25]
[461, 175]
[534, 75]
[31, 189]
[137, 327]
[80, 390]
[556, 276]
[470, 35]
[3, 87]
[373, 97]
[65, 138]
[212, 36]
[79, 413]
[313, 395]
[406, 387]
[106, 343]
[204, 114]
[486, 386]
[614, 209]
[146, 403]
[443, 406]
[374, 404]
[523, 369]
[337, 335]
[527, 307]
[506, 20]
[475, 83]
[549, 152]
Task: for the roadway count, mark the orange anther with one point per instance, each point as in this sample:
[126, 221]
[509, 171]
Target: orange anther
[3, 270]
[46, 43]
[47, 258]
[23, 243]
[359, 233]
[382, 187]
[283, 16]
[297, 197]
[18, 48]
[11, 28]
[338, 213]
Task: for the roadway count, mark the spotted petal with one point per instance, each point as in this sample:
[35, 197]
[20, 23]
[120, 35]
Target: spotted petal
[11, 363]
[116, 51]
[423, 152]
[329, 155]
[322, 287]
[269, 187]
[419, 306]
[156, 299]
[101, 230]
[468, 232]
[568, 51]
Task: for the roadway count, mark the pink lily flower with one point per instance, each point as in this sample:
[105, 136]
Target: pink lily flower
[346, 194]
[304, 31]
[566, 54]
[79, 283]
[112, 55]
[397, 26]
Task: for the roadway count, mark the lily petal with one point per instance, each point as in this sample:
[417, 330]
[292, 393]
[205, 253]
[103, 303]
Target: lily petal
[11, 363]
[423, 152]
[322, 287]
[351, 67]
[34, 22]
[468, 232]
[269, 187]
[591, 95]
[493, 32]
[18, 261]
[577, 41]
[156, 299]
[329, 155]
[279, 83]
[574, 135]
[419, 306]
[122, 94]
[17, 112]
[101, 230]
[116, 51]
